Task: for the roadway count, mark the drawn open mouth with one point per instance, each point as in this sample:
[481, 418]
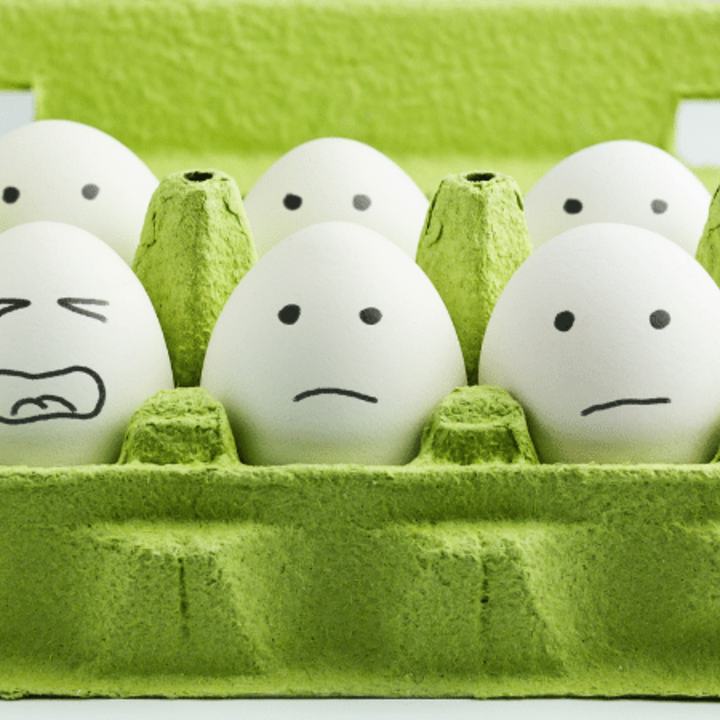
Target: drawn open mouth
[335, 391]
[75, 392]
[625, 401]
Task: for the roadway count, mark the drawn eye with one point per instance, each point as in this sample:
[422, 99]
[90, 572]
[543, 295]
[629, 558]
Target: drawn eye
[361, 202]
[370, 316]
[10, 194]
[90, 191]
[658, 206]
[660, 319]
[572, 206]
[289, 315]
[76, 305]
[7, 305]
[564, 320]
[292, 202]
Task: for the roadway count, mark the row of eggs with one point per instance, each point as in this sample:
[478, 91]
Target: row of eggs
[336, 347]
[69, 172]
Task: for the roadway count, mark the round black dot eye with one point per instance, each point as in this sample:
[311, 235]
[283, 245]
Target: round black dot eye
[361, 202]
[370, 315]
[572, 206]
[10, 194]
[90, 191]
[660, 319]
[290, 314]
[564, 320]
[292, 202]
[658, 206]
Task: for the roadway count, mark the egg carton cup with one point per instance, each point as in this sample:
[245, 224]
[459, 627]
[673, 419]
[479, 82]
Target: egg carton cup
[472, 571]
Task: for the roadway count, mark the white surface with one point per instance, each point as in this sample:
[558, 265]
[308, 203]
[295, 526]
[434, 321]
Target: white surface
[697, 132]
[357, 710]
[17, 107]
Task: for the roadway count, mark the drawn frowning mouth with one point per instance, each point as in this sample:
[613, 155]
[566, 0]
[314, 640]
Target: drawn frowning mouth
[624, 401]
[75, 392]
[335, 391]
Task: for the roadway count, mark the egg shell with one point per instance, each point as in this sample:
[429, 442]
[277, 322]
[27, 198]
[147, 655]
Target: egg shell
[336, 179]
[615, 382]
[81, 347]
[292, 335]
[623, 181]
[68, 172]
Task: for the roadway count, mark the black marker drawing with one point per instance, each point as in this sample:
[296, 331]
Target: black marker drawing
[75, 305]
[335, 391]
[626, 401]
[44, 401]
[7, 305]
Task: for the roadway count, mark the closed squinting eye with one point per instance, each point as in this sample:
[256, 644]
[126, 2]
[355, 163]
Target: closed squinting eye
[76, 305]
[7, 305]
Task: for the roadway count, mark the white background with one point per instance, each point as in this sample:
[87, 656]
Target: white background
[357, 710]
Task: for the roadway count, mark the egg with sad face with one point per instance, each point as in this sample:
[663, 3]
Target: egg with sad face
[609, 336]
[80, 347]
[334, 348]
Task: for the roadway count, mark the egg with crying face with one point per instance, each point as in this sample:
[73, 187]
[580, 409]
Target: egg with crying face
[81, 347]
[334, 348]
[609, 336]
[623, 181]
[336, 179]
[68, 172]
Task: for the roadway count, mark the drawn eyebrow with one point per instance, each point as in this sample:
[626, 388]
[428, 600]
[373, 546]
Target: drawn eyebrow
[70, 303]
[9, 304]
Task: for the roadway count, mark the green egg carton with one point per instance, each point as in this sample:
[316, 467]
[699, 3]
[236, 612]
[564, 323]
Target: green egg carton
[472, 571]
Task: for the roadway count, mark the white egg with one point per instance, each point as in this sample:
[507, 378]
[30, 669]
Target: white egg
[334, 348]
[68, 172]
[609, 336]
[336, 179]
[81, 347]
[623, 181]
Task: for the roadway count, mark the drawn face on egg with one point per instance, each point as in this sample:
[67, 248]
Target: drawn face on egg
[609, 336]
[334, 348]
[80, 347]
[336, 179]
[621, 181]
[68, 172]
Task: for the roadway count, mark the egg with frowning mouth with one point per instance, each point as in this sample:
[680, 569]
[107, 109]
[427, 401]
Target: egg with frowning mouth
[334, 348]
[81, 347]
[609, 336]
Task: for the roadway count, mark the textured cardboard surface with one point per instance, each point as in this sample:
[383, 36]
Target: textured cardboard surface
[486, 80]
[195, 247]
[474, 239]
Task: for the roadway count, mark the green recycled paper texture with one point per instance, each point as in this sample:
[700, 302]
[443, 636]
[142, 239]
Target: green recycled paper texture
[708, 251]
[474, 239]
[195, 248]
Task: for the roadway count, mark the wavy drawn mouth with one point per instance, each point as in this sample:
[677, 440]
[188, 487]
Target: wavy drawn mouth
[335, 391]
[625, 401]
[76, 393]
